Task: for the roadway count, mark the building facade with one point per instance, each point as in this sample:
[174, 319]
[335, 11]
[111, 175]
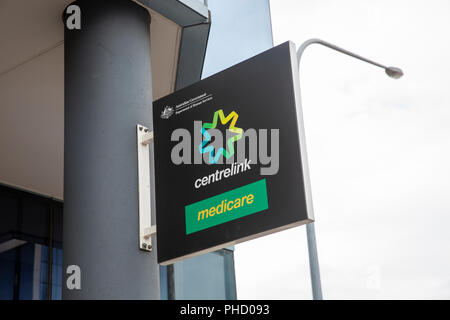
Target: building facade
[70, 100]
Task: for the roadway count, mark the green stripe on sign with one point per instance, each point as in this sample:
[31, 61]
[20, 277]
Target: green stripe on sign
[227, 206]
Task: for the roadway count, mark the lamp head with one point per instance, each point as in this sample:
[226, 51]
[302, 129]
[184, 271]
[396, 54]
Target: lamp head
[394, 72]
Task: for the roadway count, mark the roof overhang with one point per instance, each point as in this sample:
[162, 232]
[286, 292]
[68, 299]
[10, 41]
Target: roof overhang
[194, 18]
[32, 80]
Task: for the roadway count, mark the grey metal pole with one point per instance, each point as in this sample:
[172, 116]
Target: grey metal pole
[316, 284]
[310, 230]
[107, 92]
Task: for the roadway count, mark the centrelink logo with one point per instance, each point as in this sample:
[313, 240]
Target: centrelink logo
[227, 152]
[238, 147]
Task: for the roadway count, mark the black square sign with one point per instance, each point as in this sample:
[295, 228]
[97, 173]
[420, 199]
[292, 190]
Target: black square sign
[230, 159]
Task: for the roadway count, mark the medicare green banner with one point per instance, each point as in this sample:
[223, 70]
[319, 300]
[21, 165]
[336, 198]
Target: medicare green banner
[227, 206]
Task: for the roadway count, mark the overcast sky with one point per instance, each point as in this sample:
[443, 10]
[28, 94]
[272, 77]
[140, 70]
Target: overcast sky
[379, 155]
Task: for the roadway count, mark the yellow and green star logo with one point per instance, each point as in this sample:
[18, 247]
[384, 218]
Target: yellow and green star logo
[229, 151]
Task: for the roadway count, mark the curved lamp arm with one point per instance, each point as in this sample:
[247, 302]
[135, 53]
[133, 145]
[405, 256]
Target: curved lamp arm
[392, 72]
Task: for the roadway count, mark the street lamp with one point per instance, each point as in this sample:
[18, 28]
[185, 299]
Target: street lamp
[392, 72]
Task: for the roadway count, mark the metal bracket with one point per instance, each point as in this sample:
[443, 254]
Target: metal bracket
[146, 229]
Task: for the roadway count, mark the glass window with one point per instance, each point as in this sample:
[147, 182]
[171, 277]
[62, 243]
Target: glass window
[29, 267]
[209, 276]
[240, 29]
[24, 272]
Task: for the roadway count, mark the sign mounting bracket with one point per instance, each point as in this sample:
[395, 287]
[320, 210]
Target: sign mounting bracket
[146, 229]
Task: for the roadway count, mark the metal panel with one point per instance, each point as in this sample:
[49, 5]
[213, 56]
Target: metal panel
[182, 12]
[192, 53]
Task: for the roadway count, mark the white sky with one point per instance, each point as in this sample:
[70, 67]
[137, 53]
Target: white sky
[379, 154]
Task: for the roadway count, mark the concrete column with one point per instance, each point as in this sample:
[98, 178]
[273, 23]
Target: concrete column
[107, 92]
